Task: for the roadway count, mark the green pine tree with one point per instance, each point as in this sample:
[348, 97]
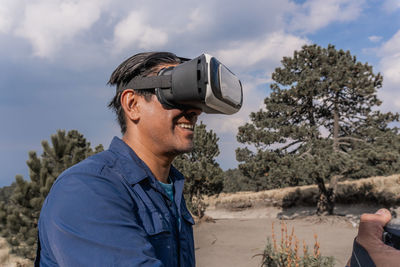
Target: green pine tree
[20, 215]
[235, 181]
[203, 176]
[6, 192]
[320, 123]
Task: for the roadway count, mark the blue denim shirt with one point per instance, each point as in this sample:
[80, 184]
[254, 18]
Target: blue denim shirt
[109, 210]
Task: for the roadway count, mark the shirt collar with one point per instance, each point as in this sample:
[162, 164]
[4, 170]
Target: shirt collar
[135, 170]
[129, 164]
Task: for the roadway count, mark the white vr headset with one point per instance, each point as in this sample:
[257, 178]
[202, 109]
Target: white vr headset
[203, 83]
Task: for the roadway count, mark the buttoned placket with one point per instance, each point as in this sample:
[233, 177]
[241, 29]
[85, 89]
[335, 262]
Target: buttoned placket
[173, 211]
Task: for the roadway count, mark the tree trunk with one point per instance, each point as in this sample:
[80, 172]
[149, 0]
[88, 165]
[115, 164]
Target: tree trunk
[200, 205]
[326, 200]
[326, 203]
[335, 128]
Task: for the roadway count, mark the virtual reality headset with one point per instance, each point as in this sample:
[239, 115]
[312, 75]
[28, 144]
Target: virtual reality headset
[203, 83]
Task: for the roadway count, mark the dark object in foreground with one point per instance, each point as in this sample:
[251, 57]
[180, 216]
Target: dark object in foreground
[391, 234]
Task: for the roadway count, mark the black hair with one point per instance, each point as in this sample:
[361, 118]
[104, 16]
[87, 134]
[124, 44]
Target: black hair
[139, 65]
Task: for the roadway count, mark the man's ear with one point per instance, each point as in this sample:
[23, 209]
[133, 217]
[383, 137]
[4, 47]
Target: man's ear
[129, 102]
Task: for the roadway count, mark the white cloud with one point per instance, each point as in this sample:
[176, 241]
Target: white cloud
[316, 14]
[391, 5]
[48, 24]
[390, 67]
[136, 32]
[265, 52]
[375, 39]
[224, 124]
[65, 27]
[391, 59]
[195, 19]
[8, 14]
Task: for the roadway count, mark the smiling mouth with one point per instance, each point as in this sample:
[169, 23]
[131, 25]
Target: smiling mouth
[186, 126]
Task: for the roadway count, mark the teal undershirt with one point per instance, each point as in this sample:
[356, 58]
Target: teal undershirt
[169, 189]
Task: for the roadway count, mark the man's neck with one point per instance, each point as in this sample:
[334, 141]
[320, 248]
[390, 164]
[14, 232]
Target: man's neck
[158, 163]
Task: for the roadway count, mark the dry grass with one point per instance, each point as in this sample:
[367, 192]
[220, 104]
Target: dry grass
[378, 190]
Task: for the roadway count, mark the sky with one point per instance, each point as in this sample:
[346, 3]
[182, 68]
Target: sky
[56, 57]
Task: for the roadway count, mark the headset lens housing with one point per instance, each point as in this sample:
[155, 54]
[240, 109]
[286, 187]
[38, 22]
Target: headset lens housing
[203, 83]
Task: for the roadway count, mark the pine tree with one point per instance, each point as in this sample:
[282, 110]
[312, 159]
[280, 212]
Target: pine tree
[321, 123]
[6, 192]
[20, 216]
[203, 176]
[235, 181]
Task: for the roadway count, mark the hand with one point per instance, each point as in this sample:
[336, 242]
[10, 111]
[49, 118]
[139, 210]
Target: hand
[370, 237]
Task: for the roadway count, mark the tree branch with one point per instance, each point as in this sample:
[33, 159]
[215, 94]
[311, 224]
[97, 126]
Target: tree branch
[351, 138]
[306, 153]
[289, 145]
[343, 143]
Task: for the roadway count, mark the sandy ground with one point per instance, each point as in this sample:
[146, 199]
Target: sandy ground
[236, 237]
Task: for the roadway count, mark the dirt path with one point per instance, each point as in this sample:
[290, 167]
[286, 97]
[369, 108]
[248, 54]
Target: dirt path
[236, 237]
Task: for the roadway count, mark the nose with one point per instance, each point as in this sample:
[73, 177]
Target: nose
[192, 114]
[193, 111]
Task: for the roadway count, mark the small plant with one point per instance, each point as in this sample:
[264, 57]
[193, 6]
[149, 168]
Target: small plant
[286, 252]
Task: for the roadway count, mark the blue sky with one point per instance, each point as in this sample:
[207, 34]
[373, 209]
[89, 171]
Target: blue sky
[56, 57]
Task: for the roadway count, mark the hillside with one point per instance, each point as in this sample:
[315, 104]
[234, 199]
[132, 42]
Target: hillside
[379, 190]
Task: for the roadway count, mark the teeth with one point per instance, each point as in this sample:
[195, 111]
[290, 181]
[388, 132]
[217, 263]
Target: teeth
[186, 126]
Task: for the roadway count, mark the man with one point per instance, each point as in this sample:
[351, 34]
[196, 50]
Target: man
[124, 206]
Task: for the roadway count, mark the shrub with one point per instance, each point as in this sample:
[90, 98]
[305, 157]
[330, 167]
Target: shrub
[287, 254]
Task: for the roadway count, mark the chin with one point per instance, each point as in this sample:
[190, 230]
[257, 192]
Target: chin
[183, 150]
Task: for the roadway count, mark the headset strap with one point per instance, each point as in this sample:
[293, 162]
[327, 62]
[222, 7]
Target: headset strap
[163, 81]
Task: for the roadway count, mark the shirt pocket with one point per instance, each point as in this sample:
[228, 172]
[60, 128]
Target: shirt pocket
[155, 224]
[187, 227]
[160, 235]
[187, 217]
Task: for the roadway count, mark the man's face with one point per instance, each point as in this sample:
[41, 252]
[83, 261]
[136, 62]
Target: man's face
[166, 131]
